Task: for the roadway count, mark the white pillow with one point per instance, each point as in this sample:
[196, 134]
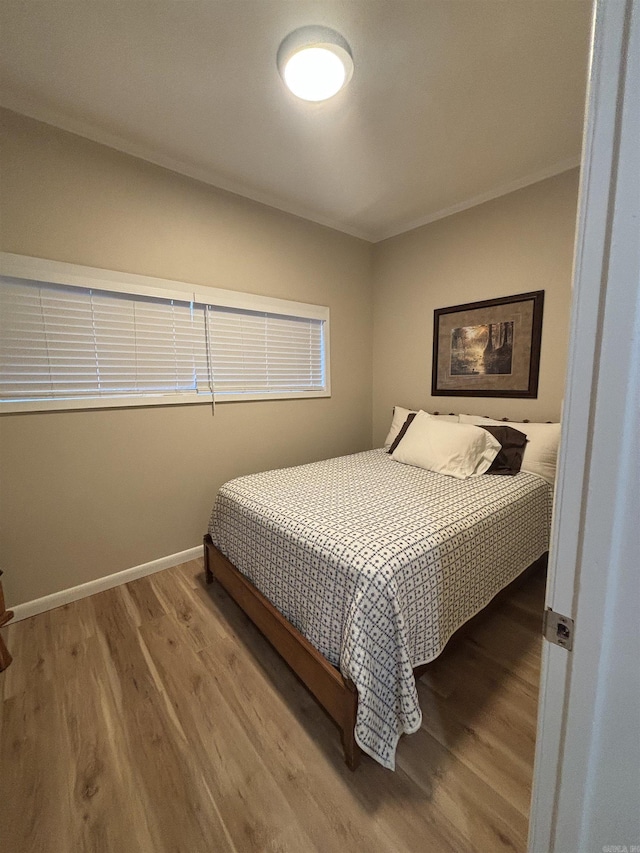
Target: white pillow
[541, 450]
[399, 417]
[459, 450]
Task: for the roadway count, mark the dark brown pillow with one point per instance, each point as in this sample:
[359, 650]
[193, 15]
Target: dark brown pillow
[509, 458]
[403, 429]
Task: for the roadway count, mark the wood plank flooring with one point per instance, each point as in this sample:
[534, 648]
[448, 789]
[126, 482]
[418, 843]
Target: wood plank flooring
[154, 717]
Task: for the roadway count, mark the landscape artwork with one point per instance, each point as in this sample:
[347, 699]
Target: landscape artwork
[487, 348]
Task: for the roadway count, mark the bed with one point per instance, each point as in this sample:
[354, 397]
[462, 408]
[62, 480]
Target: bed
[359, 570]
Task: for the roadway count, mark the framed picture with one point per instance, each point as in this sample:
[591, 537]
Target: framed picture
[488, 349]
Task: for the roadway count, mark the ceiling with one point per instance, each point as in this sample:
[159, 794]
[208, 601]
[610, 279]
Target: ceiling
[452, 102]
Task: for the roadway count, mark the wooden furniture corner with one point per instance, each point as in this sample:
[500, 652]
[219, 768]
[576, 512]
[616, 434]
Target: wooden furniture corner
[5, 616]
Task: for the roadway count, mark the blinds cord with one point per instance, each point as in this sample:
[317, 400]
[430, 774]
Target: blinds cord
[207, 340]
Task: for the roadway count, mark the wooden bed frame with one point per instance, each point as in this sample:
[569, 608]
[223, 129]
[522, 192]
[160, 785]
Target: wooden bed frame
[337, 695]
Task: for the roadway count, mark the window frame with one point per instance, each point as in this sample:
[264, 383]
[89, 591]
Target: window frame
[75, 275]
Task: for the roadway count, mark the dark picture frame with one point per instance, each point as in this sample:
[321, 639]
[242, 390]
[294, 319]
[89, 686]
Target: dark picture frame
[489, 348]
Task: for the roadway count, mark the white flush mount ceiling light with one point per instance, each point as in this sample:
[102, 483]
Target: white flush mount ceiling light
[315, 63]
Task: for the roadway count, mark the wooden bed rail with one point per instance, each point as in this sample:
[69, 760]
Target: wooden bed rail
[337, 695]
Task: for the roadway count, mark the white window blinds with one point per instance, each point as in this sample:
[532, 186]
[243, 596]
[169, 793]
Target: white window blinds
[257, 352]
[67, 343]
[75, 347]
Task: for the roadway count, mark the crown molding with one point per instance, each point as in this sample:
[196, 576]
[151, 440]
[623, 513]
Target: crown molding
[474, 201]
[32, 109]
[102, 136]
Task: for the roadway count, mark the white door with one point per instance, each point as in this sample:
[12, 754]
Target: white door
[586, 793]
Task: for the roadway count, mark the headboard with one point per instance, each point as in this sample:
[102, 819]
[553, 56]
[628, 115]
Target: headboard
[523, 421]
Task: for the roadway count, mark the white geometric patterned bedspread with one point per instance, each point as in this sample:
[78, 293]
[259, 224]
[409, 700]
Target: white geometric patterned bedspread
[378, 563]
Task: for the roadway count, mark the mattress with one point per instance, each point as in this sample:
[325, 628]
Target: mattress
[378, 563]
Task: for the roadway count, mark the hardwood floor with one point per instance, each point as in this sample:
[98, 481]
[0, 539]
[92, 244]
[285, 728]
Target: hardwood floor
[154, 717]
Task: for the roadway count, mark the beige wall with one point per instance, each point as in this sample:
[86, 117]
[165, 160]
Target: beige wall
[514, 244]
[85, 494]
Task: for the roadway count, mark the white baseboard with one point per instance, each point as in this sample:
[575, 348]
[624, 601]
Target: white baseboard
[57, 599]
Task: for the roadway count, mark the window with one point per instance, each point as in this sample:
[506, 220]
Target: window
[76, 337]
[255, 351]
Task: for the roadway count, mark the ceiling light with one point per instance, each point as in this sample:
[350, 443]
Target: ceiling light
[315, 63]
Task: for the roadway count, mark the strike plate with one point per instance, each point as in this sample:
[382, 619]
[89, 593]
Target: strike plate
[558, 629]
